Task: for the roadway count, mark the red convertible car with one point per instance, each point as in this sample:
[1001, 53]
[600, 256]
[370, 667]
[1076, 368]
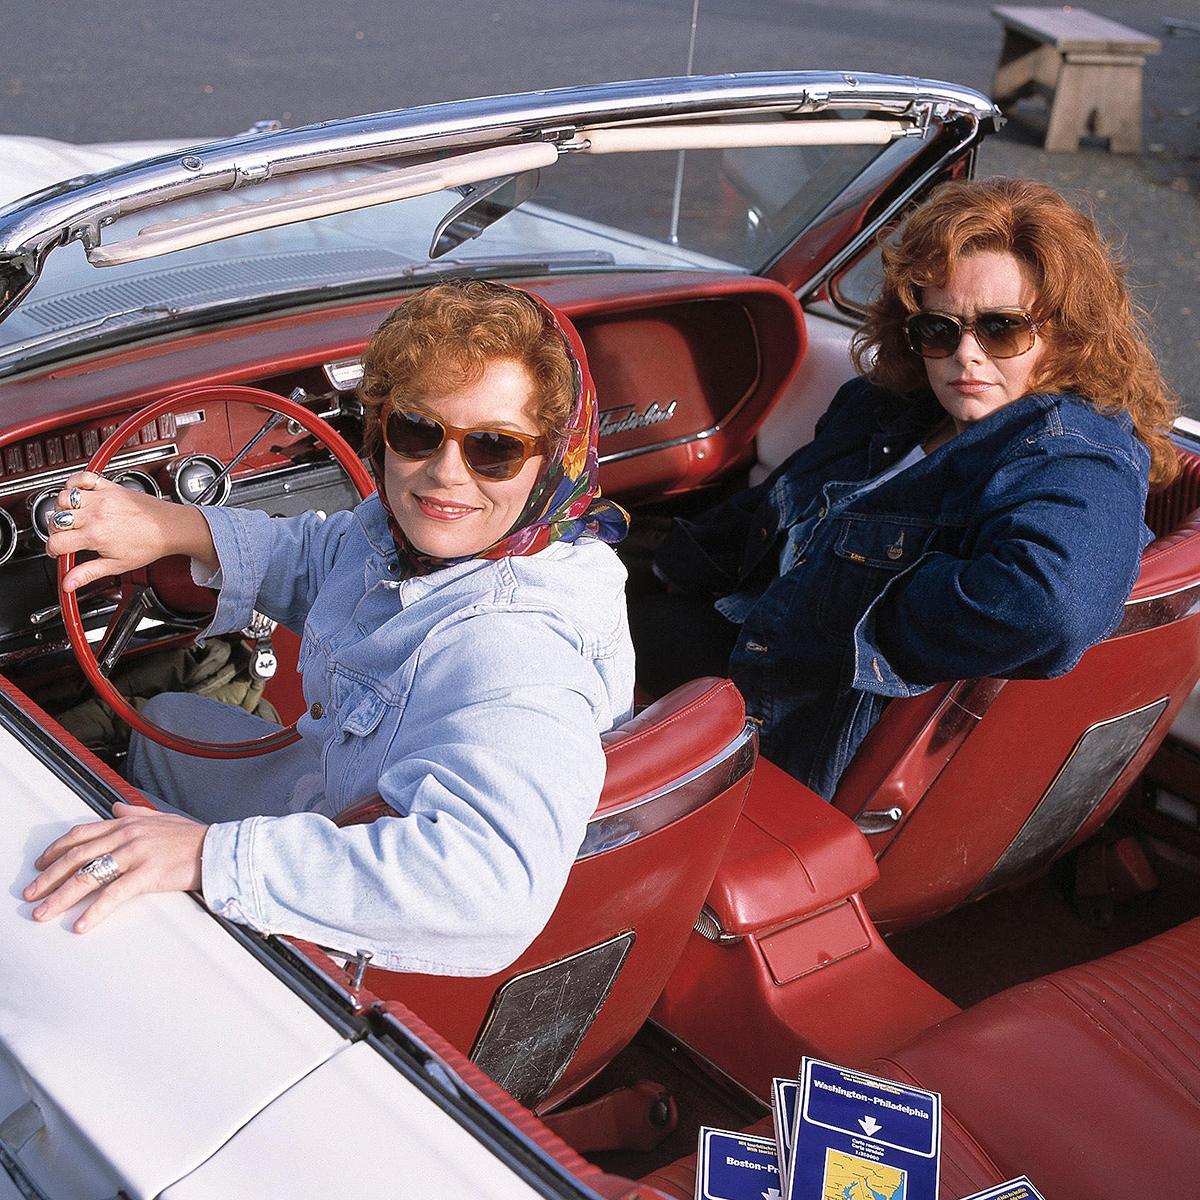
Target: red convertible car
[999, 903]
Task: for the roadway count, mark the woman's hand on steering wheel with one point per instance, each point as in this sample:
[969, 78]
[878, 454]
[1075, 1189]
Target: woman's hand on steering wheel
[126, 529]
[138, 529]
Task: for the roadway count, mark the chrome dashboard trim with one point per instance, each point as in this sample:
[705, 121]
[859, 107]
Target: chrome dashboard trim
[344, 374]
[682, 796]
[683, 440]
[57, 477]
[149, 480]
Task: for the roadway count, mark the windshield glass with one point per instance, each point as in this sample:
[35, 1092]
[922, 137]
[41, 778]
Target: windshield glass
[709, 210]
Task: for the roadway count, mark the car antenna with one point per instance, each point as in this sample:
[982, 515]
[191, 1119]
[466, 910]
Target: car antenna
[677, 198]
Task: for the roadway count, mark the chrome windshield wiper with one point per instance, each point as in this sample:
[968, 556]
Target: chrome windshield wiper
[510, 264]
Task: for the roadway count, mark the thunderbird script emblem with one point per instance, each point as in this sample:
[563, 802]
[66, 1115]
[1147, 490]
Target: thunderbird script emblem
[623, 420]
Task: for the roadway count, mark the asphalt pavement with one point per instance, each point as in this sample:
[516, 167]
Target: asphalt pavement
[103, 70]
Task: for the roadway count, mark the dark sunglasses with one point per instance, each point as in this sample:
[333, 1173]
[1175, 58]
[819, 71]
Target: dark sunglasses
[489, 453]
[1001, 332]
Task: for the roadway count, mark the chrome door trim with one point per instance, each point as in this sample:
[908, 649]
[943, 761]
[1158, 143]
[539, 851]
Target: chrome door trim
[1151, 612]
[683, 440]
[689, 793]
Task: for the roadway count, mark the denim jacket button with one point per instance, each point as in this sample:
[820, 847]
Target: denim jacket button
[822, 512]
[317, 711]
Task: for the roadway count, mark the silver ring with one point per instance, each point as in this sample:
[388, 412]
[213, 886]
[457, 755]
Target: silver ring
[100, 870]
[63, 520]
[75, 498]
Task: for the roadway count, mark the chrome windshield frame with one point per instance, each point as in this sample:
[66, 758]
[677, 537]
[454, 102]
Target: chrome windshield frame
[80, 209]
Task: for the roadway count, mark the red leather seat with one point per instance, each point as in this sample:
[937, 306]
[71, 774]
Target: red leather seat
[677, 777]
[979, 784]
[1087, 1081]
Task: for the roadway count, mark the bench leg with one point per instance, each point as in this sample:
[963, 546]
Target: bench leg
[1020, 58]
[1120, 118]
[1110, 90]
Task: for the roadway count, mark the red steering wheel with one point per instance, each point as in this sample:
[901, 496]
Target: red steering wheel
[134, 585]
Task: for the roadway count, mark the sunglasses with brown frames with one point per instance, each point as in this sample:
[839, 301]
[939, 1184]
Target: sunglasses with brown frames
[496, 454]
[1000, 332]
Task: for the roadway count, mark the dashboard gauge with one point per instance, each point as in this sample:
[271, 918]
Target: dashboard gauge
[8, 535]
[41, 509]
[138, 481]
[193, 476]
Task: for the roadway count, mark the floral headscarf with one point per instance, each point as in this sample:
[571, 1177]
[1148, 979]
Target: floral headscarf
[565, 502]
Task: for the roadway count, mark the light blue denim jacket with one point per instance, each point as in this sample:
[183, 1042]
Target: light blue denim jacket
[471, 699]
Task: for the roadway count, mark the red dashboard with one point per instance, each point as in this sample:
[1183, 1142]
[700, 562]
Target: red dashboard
[686, 367]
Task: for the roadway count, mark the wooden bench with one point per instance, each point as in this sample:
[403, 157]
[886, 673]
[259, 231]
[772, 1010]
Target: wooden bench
[1089, 65]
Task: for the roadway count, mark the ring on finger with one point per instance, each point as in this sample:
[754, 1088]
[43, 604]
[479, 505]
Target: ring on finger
[100, 870]
[75, 498]
[63, 520]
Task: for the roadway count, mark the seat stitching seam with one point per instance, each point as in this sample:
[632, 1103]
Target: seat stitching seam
[1124, 1023]
[1155, 974]
[1170, 971]
[1141, 984]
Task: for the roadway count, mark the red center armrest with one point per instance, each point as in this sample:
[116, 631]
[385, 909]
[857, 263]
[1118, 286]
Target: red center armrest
[791, 855]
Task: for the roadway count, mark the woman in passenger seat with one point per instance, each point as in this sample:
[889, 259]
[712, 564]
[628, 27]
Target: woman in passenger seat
[971, 506]
[464, 646]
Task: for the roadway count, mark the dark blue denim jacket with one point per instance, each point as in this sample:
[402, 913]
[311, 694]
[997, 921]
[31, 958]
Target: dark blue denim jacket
[1006, 552]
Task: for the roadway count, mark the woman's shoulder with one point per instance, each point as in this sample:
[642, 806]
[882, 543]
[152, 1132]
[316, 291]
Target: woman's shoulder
[585, 575]
[1067, 420]
[580, 583]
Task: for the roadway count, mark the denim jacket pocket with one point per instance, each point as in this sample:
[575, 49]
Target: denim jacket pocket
[363, 714]
[867, 552]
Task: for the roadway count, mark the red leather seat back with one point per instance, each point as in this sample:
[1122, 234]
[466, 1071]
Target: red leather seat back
[677, 777]
[980, 784]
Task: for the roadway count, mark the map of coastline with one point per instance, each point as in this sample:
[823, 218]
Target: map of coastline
[848, 1177]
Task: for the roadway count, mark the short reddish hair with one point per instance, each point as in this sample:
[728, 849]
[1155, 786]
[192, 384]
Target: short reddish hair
[1096, 343]
[445, 336]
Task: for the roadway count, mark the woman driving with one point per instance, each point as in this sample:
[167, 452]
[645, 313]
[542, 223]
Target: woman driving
[972, 506]
[464, 646]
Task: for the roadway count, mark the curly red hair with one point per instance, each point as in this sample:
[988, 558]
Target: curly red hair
[1096, 343]
[445, 336]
